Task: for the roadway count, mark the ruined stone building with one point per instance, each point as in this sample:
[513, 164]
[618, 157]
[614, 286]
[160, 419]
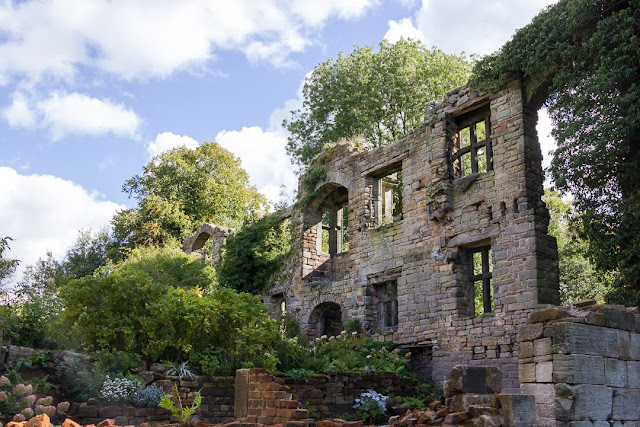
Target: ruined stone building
[437, 242]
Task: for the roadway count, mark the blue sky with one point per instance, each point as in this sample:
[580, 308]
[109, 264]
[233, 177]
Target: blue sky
[90, 90]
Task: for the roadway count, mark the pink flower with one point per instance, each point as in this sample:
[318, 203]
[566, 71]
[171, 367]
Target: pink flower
[30, 399]
[29, 389]
[4, 381]
[18, 418]
[50, 410]
[20, 390]
[39, 409]
[3, 397]
[27, 412]
[44, 401]
[63, 407]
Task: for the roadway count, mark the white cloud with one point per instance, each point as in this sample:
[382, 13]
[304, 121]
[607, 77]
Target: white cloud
[403, 29]
[149, 38]
[475, 27]
[263, 156]
[19, 114]
[166, 141]
[44, 212]
[72, 114]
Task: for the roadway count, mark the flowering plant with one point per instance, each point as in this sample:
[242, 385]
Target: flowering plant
[371, 405]
[118, 389]
[20, 404]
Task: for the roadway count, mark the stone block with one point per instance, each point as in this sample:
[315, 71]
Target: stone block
[544, 372]
[544, 315]
[518, 409]
[615, 372]
[527, 372]
[583, 402]
[626, 404]
[473, 379]
[579, 338]
[525, 350]
[542, 347]
[578, 369]
[635, 346]
[87, 411]
[633, 374]
[619, 318]
[544, 393]
[530, 332]
[241, 401]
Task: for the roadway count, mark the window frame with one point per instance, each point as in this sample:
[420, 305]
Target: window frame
[486, 277]
[379, 200]
[469, 121]
[387, 305]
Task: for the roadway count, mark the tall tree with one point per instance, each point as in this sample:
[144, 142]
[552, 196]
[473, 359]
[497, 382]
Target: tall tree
[88, 253]
[377, 95]
[7, 265]
[182, 188]
[586, 52]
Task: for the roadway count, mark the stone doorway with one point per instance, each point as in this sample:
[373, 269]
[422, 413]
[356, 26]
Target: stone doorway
[326, 319]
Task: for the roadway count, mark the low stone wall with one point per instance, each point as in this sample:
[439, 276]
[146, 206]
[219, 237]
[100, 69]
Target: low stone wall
[333, 394]
[217, 401]
[582, 364]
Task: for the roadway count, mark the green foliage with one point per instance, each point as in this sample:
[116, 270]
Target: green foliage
[344, 353]
[255, 254]
[163, 304]
[180, 370]
[18, 402]
[371, 94]
[585, 53]
[80, 381]
[7, 265]
[87, 254]
[416, 403]
[174, 404]
[371, 405]
[181, 189]
[580, 279]
[148, 397]
[353, 325]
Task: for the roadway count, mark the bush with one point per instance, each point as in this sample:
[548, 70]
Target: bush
[164, 305]
[19, 403]
[118, 389]
[148, 397]
[371, 405]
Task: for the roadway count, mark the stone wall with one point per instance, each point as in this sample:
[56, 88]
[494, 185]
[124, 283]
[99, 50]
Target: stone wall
[333, 395]
[582, 364]
[426, 251]
[217, 401]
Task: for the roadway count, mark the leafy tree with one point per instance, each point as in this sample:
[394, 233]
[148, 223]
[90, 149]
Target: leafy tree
[378, 95]
[7, 265]
[580, 279]
[254, 254]
[36, 301]
[88, 253]
[585, 53]
[164, 304]
[181, 189]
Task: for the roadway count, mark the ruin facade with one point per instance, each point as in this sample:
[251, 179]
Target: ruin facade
[437, 242]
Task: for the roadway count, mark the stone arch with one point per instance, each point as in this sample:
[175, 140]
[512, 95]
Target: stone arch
[205, 232]
[325, 319]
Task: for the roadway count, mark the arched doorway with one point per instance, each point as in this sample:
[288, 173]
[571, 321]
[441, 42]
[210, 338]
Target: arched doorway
[326, 319]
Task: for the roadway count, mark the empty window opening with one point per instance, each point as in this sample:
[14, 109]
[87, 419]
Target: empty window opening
[280, 303]
[387, 197]
[387, 305]
[333, 231]
[473, 145]
[482, 281]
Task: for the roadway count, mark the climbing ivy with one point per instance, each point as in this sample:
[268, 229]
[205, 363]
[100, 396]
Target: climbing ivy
[584, 53]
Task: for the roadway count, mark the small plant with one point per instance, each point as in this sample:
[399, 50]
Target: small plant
[118, 389]
[299, 374]
[371, 405]
[417, 403]
[148, 397]
[19, 403]
[181, 371]
[173, 403]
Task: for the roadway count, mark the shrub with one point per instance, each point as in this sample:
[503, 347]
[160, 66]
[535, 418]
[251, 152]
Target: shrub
[20, 404]
[371, 405]
[148, 397]
[118, 389]
[173, 403]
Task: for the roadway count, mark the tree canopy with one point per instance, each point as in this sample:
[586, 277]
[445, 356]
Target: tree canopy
[183, 188]
[7, 265]
[378, 95]
[586, 53]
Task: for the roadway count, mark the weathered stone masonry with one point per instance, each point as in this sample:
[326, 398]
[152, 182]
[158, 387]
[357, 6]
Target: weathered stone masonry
[408, 276]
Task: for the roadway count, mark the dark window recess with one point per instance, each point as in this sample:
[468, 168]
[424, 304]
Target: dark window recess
[387, 296]
[333, 232]
[387, 197]
[482, 280]
[473, 153]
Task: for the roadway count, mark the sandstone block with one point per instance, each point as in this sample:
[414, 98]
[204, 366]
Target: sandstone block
[626, 404]
[585, 339]
[473, 379]
[542, 347]
[527, 372]
[110, 411]
[619, 318]
[86, 411]
[633, 374]
[578, 369]
[544, 372]
[68, 422]
[518, 409]
[615, 372]
[41, 420]
[530, 332]
[547, 314]
[583, 402]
